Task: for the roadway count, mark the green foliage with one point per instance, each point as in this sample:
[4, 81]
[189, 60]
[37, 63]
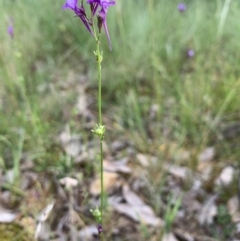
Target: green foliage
[223, 217]
[171, 212]
[13, 232]
[226, 228]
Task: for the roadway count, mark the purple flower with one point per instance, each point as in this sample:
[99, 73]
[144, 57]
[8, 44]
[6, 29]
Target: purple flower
[10, 28]
[102, 14]
[80, 12]
[181, 7]
[105, 4]
[190, 53]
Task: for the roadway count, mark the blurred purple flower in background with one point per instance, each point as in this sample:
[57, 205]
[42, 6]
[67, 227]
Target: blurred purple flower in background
[190, 53]
[182, 7]
[80, 12]
[10, 29]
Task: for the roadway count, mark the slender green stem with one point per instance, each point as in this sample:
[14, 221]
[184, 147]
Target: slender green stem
[99, 59]
[98, 55]
[101, 153]
[99, 83]
[102, 237]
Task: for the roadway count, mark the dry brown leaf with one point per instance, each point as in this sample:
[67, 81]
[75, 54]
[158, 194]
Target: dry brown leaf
[206, 155]
[118, 145]
[197, 185]
[136, 209]
[144, 159]
[233, 209]
[177, 171]
[117, 166]
[208, 211]
[45, 213]
[7, 216]
[42, 231]
[131, 197]
[183, 235]
[88, 232]
[225, 177]
[205, 169]
[115, 199]
[143, 214]
[169, 237]
[110, 180]
[189, 201]
[69, 182]
[6, 200]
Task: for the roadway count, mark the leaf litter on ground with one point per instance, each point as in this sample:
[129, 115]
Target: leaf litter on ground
[122, 170]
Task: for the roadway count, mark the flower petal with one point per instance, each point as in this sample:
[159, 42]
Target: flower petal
[102, 14]
[72, 4]
[105, 4]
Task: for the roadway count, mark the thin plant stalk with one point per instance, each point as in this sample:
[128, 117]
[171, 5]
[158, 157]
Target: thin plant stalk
[90, 26]
[100, 116]
[98, 55]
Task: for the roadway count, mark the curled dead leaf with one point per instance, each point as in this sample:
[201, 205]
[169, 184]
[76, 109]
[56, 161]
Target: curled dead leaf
[69, 182]
[208, 211]
[45, 213]
[136, 209]
[117, 166]
[143, 214]
[131, 197]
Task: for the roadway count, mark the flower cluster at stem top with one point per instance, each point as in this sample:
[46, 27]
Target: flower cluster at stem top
[97, 6]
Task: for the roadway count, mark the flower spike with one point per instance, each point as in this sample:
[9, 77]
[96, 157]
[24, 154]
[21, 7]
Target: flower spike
[80, 12]
[102, 14]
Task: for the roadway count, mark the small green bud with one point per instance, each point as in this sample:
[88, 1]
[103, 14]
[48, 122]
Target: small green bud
[100, 58]
[99, 131]
[97, 214]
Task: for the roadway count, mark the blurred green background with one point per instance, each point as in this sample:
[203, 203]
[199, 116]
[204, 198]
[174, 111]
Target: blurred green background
[153, 92]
